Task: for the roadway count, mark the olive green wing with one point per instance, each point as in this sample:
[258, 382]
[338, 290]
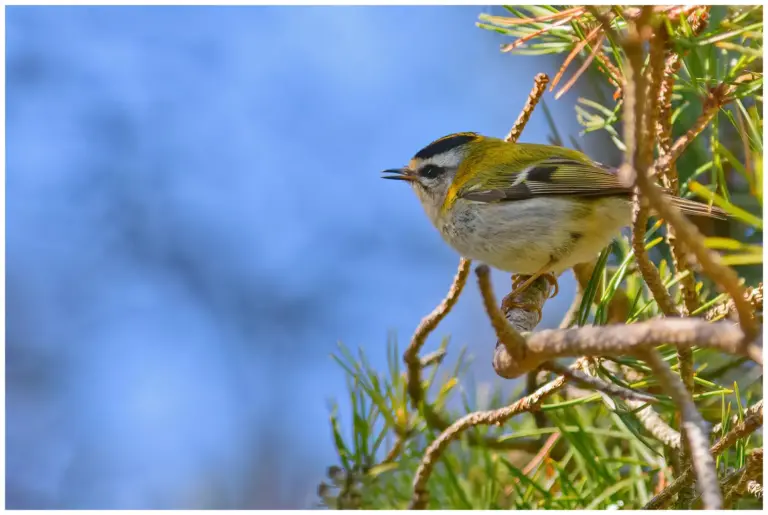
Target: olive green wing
[562, 176]
[550, 177]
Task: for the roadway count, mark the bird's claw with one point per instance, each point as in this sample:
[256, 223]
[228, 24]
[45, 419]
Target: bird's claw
[509, 305]
[519, 279]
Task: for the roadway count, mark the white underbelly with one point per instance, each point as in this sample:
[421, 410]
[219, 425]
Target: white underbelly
[524, 236]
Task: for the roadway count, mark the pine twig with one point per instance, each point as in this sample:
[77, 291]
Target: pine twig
[655, 425]
[539, 86]
[695, 429]
[596, 383]
[751, 471]
[433, 418]
[639, 142]
[427, 325]
[516, 355]
[420, 497]
[746, 427]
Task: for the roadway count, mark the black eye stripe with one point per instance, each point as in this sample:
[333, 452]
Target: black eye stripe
[431, 171]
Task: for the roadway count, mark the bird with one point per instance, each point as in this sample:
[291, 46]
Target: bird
[524, 208]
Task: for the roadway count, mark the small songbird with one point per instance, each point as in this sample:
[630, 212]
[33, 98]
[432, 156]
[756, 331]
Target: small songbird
[522, 208]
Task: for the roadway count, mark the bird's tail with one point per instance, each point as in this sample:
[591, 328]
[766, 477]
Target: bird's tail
[693, 208]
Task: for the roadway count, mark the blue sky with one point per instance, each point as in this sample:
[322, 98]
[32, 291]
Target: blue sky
[194, 219]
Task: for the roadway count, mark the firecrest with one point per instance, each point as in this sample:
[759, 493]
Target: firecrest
[522, 208]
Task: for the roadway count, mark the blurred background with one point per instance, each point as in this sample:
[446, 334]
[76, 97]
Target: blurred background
[195, 218]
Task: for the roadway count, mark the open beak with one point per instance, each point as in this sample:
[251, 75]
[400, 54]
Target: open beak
[399, 174]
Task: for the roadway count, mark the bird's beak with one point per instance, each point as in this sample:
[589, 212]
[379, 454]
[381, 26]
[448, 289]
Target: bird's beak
[399, 174]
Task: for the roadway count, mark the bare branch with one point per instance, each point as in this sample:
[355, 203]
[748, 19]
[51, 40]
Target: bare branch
[749, 412]
[755, 488]
[639, 141]
[598, 384]
[710, 261]
[657, 98]
[751, 471]
[415, 365]
[753, 295]
[676, 150]
[539, 86]
[748, 426]
[619, 340]
[648, 270]
[695, 428]
[494, 417]
[655, 425]
[427, 325]
[508, 336]
[636, 170]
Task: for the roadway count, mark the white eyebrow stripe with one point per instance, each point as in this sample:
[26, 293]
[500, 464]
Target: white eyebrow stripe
[450, 159]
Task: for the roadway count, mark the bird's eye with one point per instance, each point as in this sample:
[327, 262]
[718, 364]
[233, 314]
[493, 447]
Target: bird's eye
[431, 171]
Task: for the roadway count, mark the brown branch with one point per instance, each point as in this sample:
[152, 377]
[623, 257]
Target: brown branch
[508, 336]
[647, 269]
[755, 488]
[531, 385]
[748, 426]
[415, 365]
[749, 412]
[710, 261]
[598, 384]
[618, 340]
[726, 485]
[662, 99]
[679, 255]
[640, 128]
[511, 346]
[657, 97]
[711, 108]
[427, 325]
[515, 355]
[663, 74]
[655, 80]
[751, 471]
[494, 417]
[539, 86]
[698, 21]
[753, 295]
[695, 429]
[634, 105]
[433, 358]
[655, 425]
[639, 142]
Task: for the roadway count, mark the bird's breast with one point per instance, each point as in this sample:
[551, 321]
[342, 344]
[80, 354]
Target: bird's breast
[524, 236]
